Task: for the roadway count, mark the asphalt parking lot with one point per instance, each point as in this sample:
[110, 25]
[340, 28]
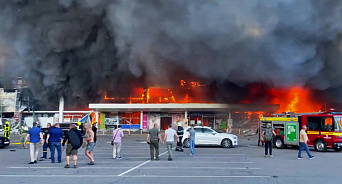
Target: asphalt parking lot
[242, 164]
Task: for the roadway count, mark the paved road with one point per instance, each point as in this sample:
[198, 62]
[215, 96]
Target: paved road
[243, 164]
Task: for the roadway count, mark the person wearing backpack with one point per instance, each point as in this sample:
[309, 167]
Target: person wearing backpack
[268, 137]
[75, 140]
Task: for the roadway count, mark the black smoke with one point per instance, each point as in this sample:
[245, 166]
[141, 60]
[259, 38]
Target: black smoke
[83, 49]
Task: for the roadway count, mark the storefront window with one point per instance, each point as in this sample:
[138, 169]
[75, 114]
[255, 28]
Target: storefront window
[130, 118]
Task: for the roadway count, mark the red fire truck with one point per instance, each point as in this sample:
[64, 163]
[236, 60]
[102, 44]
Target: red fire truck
[324, 130]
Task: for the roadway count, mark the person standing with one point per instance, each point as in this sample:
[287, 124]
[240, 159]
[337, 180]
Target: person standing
[35, 136]
[117, 135]
[268, 139]
[53, 139]
[46, 143]
[153, 137]
[180, 132]
[7, 129]
[169, 139]
[23, 130]
[303, 143]
[191, 137]
[90, 145]
[75, 140]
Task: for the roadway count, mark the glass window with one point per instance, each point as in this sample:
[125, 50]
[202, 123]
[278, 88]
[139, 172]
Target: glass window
[327, 124]
[320, 123]
[314, 123]
[207, 131]
[338, 124]
[198, 130]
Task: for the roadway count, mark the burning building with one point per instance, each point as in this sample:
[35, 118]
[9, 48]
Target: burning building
[242, 52]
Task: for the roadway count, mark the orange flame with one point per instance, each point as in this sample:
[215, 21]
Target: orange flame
[296, 99]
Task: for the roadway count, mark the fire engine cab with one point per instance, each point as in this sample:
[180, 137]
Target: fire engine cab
[324, 129]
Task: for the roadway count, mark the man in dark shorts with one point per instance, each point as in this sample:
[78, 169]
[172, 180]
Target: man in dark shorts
[75, 140]
[153, 137]
[90, 145]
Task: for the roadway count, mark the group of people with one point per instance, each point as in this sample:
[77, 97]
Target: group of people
[52, 137]
[154, 138]
[303, 141]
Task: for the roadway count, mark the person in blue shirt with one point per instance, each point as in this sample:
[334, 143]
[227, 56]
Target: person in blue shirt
[36, 137]
[54, 137]
[191, 137]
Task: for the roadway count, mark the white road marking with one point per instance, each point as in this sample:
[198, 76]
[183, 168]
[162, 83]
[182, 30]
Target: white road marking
[217, 168]
[177, 158]
[90, 167]
[128, 162]
[181, 156]
[129, 170]
[87, 167]
[148, 153]
[191, 162]
[134, 176]
[139, 165]
[164, 160]
[237, 176]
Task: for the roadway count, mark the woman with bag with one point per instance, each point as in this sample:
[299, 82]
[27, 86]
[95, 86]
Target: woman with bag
[116, 142]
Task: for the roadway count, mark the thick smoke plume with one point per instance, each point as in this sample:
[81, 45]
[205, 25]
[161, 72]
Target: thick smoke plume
[84, 48]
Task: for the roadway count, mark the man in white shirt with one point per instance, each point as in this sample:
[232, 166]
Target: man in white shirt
[303, 144]
[169, 139]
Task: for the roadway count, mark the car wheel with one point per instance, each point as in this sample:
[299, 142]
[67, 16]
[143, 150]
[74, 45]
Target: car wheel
[320, 146]
[279, 143]
[186, 143]
[226, 143]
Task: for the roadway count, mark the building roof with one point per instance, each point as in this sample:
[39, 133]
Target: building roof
[175, 107]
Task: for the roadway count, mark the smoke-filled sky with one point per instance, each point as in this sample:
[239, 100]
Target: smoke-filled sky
[84, 48]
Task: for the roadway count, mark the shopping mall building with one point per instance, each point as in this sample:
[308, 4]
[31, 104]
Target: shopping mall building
[143, 116]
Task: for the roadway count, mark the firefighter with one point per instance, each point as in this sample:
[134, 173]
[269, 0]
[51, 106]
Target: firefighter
[47, 144]
[23, 130]
[180, 132]
[7, 129]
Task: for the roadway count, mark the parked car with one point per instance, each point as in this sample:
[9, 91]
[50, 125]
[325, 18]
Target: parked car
[4, 142]
[208, 136]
